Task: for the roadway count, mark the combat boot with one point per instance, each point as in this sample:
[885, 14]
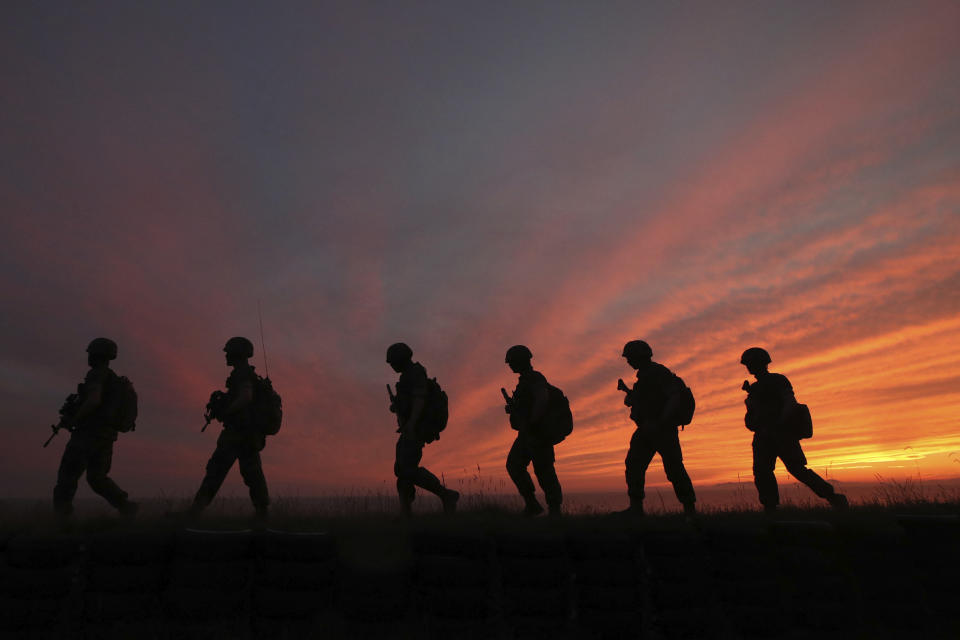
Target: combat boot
[554, 511]
[450, 498]
[260, 517]
[839, 502]
[532, 507]
[129, 509]
[690, 512]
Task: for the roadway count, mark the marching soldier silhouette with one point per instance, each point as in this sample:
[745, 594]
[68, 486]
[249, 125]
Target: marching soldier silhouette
[528, 408]
[421, 411]
[659, 403]
[105, 404]
[778, 422]
[245, 427]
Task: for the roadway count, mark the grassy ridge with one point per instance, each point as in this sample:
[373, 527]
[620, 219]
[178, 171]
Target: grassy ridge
[886, 568]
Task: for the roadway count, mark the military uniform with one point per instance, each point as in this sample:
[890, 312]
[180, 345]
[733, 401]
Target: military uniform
[90, 448]
[241, 440]
[651, 392]
[766, 401]
[531, 446]
[413, 383]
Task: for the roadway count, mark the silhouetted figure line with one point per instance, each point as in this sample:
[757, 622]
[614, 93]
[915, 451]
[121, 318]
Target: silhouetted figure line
[421, 409]
[105, 405]
[658, 404]
[529, 410]
[778, 422]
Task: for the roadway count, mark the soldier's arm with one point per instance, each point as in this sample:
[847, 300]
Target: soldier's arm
[416, 411]
[92, 397]
[242, 398]
[673, 392]
[541, 397]
[787, 400]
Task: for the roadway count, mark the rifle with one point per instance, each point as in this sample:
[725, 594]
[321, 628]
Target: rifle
[393, 405]
[213, 407]
[507, 399]
[746, 386]
[69, 407]
[393, 399]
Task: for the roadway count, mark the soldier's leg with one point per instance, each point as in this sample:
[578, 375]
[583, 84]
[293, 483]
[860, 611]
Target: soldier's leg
[251, 470]
[98, 470]
[544, 467]
[638, 459]
[517, 462]
[405, 468]
[764, 462]
[796, 463]
[672, 456]
[217, 469]
[72, 465]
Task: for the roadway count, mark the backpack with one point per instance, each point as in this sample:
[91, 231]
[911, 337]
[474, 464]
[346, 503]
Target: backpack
[267, 407]
[436, 412]
[799, 422]
[558, 422]
[124, 404]
[686, 407]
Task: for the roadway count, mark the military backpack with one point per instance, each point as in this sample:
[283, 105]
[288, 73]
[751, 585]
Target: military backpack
[685, 407]
[267, 407]
[799, 423]
[436, 412]
[558, 422]
[123, 404]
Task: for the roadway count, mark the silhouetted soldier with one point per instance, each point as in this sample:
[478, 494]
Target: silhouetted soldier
[654, 402]
[528, 408]
[94, 425]
[770, 401]
[410, 405]
[242, 438]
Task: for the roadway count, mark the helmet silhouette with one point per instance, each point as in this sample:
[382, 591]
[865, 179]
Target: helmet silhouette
[399, 352]
[239, 346]
[518, 352]
[637, 349]
[755, 354]
[104, 347]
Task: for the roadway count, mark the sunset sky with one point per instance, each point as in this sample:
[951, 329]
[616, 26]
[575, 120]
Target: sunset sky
[468, 176]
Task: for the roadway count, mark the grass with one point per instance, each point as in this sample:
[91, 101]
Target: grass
[484, 503]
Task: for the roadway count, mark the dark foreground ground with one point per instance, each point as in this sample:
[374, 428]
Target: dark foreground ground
[867, 573]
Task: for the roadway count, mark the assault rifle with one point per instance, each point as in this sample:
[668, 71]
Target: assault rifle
[507, 399]
[393, 405]
[214, 406]
[67, 411]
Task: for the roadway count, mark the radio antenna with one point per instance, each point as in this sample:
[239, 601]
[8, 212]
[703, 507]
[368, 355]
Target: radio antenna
[263, 344]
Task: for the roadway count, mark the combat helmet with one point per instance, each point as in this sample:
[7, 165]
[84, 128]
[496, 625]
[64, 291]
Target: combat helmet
[637, 349]
[518, 352]
[399, 352]
[239, 346]
[755, 354]
[103, 347]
